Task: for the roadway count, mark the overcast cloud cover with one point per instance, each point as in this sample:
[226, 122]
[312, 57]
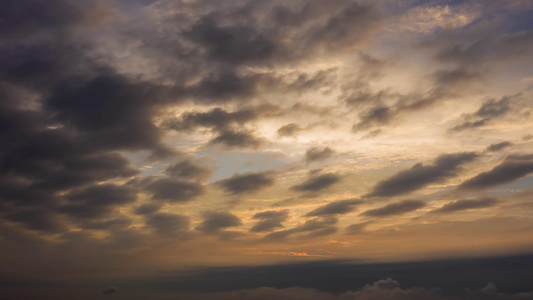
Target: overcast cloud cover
[142, 135]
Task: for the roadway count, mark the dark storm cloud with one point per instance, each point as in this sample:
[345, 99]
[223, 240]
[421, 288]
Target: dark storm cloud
[466, 204]
[269, 220]
[168, 224]
[317, 183]
[499, 146]
[335, 208]
[187, 169]
[489, 111]
[215, 221]
[318, 154]
[419, 176]
[513, 168]
[174, 190]
[291, 129]
[393, 209]
[247, 182]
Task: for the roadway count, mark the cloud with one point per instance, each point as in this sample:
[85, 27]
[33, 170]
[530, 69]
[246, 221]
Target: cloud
[291, 129]
[419, 176]
[148, 209]
[335, 208]
[499, 146]
[269, 220]
[357, 228]
[97, 200]
[168, 224]
[247, 182]
[110, 291]
[317, 183]
[174, 190]
[513, 168]
[466, 204]
[393, 209]
[215, 221]
[237, 139]
[489, 111]
[312, 228]
[317, 154]
[187, 169]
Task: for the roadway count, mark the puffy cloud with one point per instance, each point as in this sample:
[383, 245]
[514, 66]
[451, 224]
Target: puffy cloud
[317, 183]
[318, 154]
[269, 220]
[215, 221]
[168, 224]
[397, 208]
[174, 190]
[291, 129]
[187, 169]
[247, 182]
[419, 176]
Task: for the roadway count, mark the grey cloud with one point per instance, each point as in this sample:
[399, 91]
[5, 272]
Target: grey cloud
[377, 116]
[317, 183]
[318, 154]
[148, 209]
[312, 228]
[37, 219]
[187, 169]
[493, 48]
[174, 190]
[247, 182]
[466, 204]
[393, 209]
[237, 139]
[269, 220]
[419, 176]
[291, 129]
[110, 224]
[97, 201]
[218, 118]
[168, 224]
[489, 110]
[511, 169]
[335, 208]
[357, 228]
[215, 221]
[499, 146]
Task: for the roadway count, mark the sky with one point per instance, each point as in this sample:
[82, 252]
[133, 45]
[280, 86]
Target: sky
[152, 147]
